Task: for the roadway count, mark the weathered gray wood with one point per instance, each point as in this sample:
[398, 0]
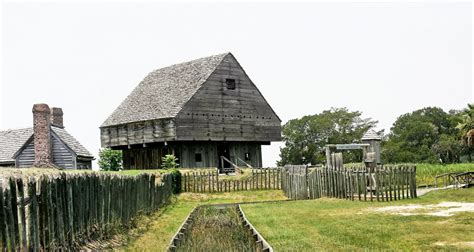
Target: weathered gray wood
[14, 207]
[33, 234]
[22, 212]
[3, 221]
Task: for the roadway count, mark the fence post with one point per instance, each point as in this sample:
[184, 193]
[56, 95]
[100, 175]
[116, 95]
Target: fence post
[3, 222]
[21, 194]
[33, 216]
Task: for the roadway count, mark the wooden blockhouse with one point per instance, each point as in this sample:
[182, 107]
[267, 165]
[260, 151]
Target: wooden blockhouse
[207, 112]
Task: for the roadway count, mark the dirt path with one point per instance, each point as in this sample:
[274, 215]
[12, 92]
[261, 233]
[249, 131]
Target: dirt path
[443, 209]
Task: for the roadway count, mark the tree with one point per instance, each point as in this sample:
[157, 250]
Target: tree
[306, 137]
[169, 162]
[448, 148]
[466, 128]
[110, 160]
[424, 135]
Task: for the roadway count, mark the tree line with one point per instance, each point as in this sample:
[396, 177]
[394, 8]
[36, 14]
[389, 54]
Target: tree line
[427, 135]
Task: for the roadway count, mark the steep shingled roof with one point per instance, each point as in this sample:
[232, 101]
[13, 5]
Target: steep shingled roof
[12, 140]
[71, 142]
[163, 93]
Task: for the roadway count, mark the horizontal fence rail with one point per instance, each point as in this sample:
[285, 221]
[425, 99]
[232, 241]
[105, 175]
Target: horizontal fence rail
[355, 183]
[209, 182]
[66, 211]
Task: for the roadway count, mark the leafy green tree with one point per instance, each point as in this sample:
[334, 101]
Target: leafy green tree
[448, 148]
[425, 135]
[110, 160]
[306, 137]
[466, 128]
[169, 162]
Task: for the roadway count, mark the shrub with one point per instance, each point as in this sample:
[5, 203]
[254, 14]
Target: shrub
[169, 162]
[110, 160]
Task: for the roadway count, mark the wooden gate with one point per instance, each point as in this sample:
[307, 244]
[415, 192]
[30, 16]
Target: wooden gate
[294, 181]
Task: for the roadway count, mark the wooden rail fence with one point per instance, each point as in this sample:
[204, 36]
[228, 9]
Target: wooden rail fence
[359, 183]
[66, 211]
[258, 179]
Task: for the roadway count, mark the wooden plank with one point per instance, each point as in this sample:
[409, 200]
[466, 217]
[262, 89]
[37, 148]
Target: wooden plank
[33, 234]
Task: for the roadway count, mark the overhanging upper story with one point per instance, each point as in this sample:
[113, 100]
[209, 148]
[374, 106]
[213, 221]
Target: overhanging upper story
[209, 99]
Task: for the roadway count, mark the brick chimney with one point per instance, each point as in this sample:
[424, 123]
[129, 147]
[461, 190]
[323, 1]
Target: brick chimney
[42, 135]
[57, 117]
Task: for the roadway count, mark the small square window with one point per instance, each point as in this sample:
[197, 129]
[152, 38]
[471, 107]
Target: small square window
[247, 156]
[230, 83]
[198, 157]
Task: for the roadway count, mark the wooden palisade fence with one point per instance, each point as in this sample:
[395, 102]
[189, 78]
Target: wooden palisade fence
[294, 182]
[382, 183]
[259, 179]
[65, 211]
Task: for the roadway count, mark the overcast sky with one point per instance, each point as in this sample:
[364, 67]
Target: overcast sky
[382, 59]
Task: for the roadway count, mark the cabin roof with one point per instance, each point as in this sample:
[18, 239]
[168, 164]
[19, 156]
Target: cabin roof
[163, 93]
[371, 135]
[13, 140]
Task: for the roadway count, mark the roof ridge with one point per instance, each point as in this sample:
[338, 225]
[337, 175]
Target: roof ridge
[189, 61]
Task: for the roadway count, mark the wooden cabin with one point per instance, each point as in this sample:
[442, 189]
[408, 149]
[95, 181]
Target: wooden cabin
[207, 112]
[46, 144]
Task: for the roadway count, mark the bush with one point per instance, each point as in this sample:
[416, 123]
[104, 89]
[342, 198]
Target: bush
[176, 178]
[169, 162]
[110, 160]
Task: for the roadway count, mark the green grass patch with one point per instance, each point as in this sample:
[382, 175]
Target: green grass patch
[332, 224]
[216, 228]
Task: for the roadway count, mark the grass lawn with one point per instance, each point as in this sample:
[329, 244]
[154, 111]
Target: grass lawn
[154, 232]
[332, 224]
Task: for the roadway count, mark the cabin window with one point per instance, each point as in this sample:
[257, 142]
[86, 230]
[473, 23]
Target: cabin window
[247, 156]
[198, 157]
[230, 83]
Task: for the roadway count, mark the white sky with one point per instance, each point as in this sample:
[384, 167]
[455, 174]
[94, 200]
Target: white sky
[384, 59]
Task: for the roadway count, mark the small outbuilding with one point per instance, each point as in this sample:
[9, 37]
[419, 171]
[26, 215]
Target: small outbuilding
[373, 139]
[46, 144]
[207, 112]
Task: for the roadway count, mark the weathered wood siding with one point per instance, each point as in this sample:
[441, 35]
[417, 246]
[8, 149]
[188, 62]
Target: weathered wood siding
[62, 156]
[187, 154]
[138, 133]
[150, 157]
[27, 156]
[142, 158]
[219, 114]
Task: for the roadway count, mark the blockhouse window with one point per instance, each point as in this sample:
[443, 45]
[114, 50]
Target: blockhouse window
[198, 157]
[230, 83]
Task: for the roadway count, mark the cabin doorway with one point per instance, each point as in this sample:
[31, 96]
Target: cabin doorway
[223, 150]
